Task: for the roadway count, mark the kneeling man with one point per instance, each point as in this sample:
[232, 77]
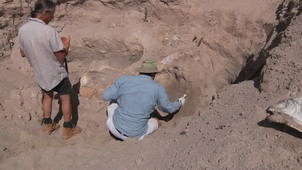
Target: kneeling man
[136, 97]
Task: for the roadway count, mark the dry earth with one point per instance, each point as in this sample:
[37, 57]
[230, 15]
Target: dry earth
[255, 44]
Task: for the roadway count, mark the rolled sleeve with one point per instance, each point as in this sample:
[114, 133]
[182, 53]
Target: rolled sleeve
[164, 103]
[55, 41]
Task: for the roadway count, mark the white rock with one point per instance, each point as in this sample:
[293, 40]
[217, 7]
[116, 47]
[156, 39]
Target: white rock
[85, 80]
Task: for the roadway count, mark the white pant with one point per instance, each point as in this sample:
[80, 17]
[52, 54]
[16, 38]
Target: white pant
[152, 124]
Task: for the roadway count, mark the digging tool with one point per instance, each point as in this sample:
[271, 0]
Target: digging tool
[182, 99]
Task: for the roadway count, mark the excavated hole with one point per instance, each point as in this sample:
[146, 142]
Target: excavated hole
[176, 87]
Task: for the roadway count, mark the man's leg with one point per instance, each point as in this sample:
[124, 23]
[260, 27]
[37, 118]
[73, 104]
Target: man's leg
[153, 125]
[47, 104]
[49, 127]
[69, 129]
[66, 107]
[111, 108]
[113, 130]
[64, 89]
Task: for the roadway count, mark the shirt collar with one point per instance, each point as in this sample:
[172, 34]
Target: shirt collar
[144, 76]
[36, 20]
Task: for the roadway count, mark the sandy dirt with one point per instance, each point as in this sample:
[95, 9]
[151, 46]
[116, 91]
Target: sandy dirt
[255, 44]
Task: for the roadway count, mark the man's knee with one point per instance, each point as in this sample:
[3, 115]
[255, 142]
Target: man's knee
[111, 108]
[48, 95]
[153, 125]
[65, 98]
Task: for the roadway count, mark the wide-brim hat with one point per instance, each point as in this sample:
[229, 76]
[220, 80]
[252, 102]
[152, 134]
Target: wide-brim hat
[148, 66]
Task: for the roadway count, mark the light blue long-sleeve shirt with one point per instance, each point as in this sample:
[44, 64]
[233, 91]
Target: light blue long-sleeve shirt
[137, 96]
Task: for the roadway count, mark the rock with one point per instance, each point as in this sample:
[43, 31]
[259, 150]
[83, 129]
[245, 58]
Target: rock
[1, 107]
[97, 65]
[99, 93]
[86, 80]
[72, 143]
[29, 117]
[221, 160]
[24, 115]
[139, 161]
[183, 133]
[87, 92]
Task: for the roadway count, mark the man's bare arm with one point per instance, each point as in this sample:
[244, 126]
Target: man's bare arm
[61, 55]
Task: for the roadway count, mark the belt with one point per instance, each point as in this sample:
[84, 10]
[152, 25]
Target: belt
[121, 133]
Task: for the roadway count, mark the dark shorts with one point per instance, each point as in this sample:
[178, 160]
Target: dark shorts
[64, 87]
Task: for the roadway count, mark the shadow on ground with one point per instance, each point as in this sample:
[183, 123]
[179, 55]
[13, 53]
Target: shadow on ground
[74, 105]
[280, 127]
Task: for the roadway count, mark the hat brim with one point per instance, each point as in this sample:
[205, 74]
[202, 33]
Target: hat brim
[147, 70]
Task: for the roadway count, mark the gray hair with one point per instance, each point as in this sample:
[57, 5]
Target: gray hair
[41, 6]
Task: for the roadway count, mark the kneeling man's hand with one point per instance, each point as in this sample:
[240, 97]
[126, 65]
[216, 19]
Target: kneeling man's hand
[182, 99]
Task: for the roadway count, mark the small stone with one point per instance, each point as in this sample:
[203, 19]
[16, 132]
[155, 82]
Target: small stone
[240, 114]
[267, 135]
[221, 160]
[1, 107]
[72, 143]
[298, 159]
[87, 92]
[25, 115]
[28, 118]
[4, 149]
[175, 140]
[183, 133]
[139, 161]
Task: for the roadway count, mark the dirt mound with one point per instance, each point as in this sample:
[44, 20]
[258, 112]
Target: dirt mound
[281, 73]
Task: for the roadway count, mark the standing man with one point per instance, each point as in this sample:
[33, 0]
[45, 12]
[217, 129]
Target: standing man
[136, 98]
[46, 52]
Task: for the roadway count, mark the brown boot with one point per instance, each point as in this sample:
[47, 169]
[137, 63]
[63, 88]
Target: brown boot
[49, 128]
[70, 132]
